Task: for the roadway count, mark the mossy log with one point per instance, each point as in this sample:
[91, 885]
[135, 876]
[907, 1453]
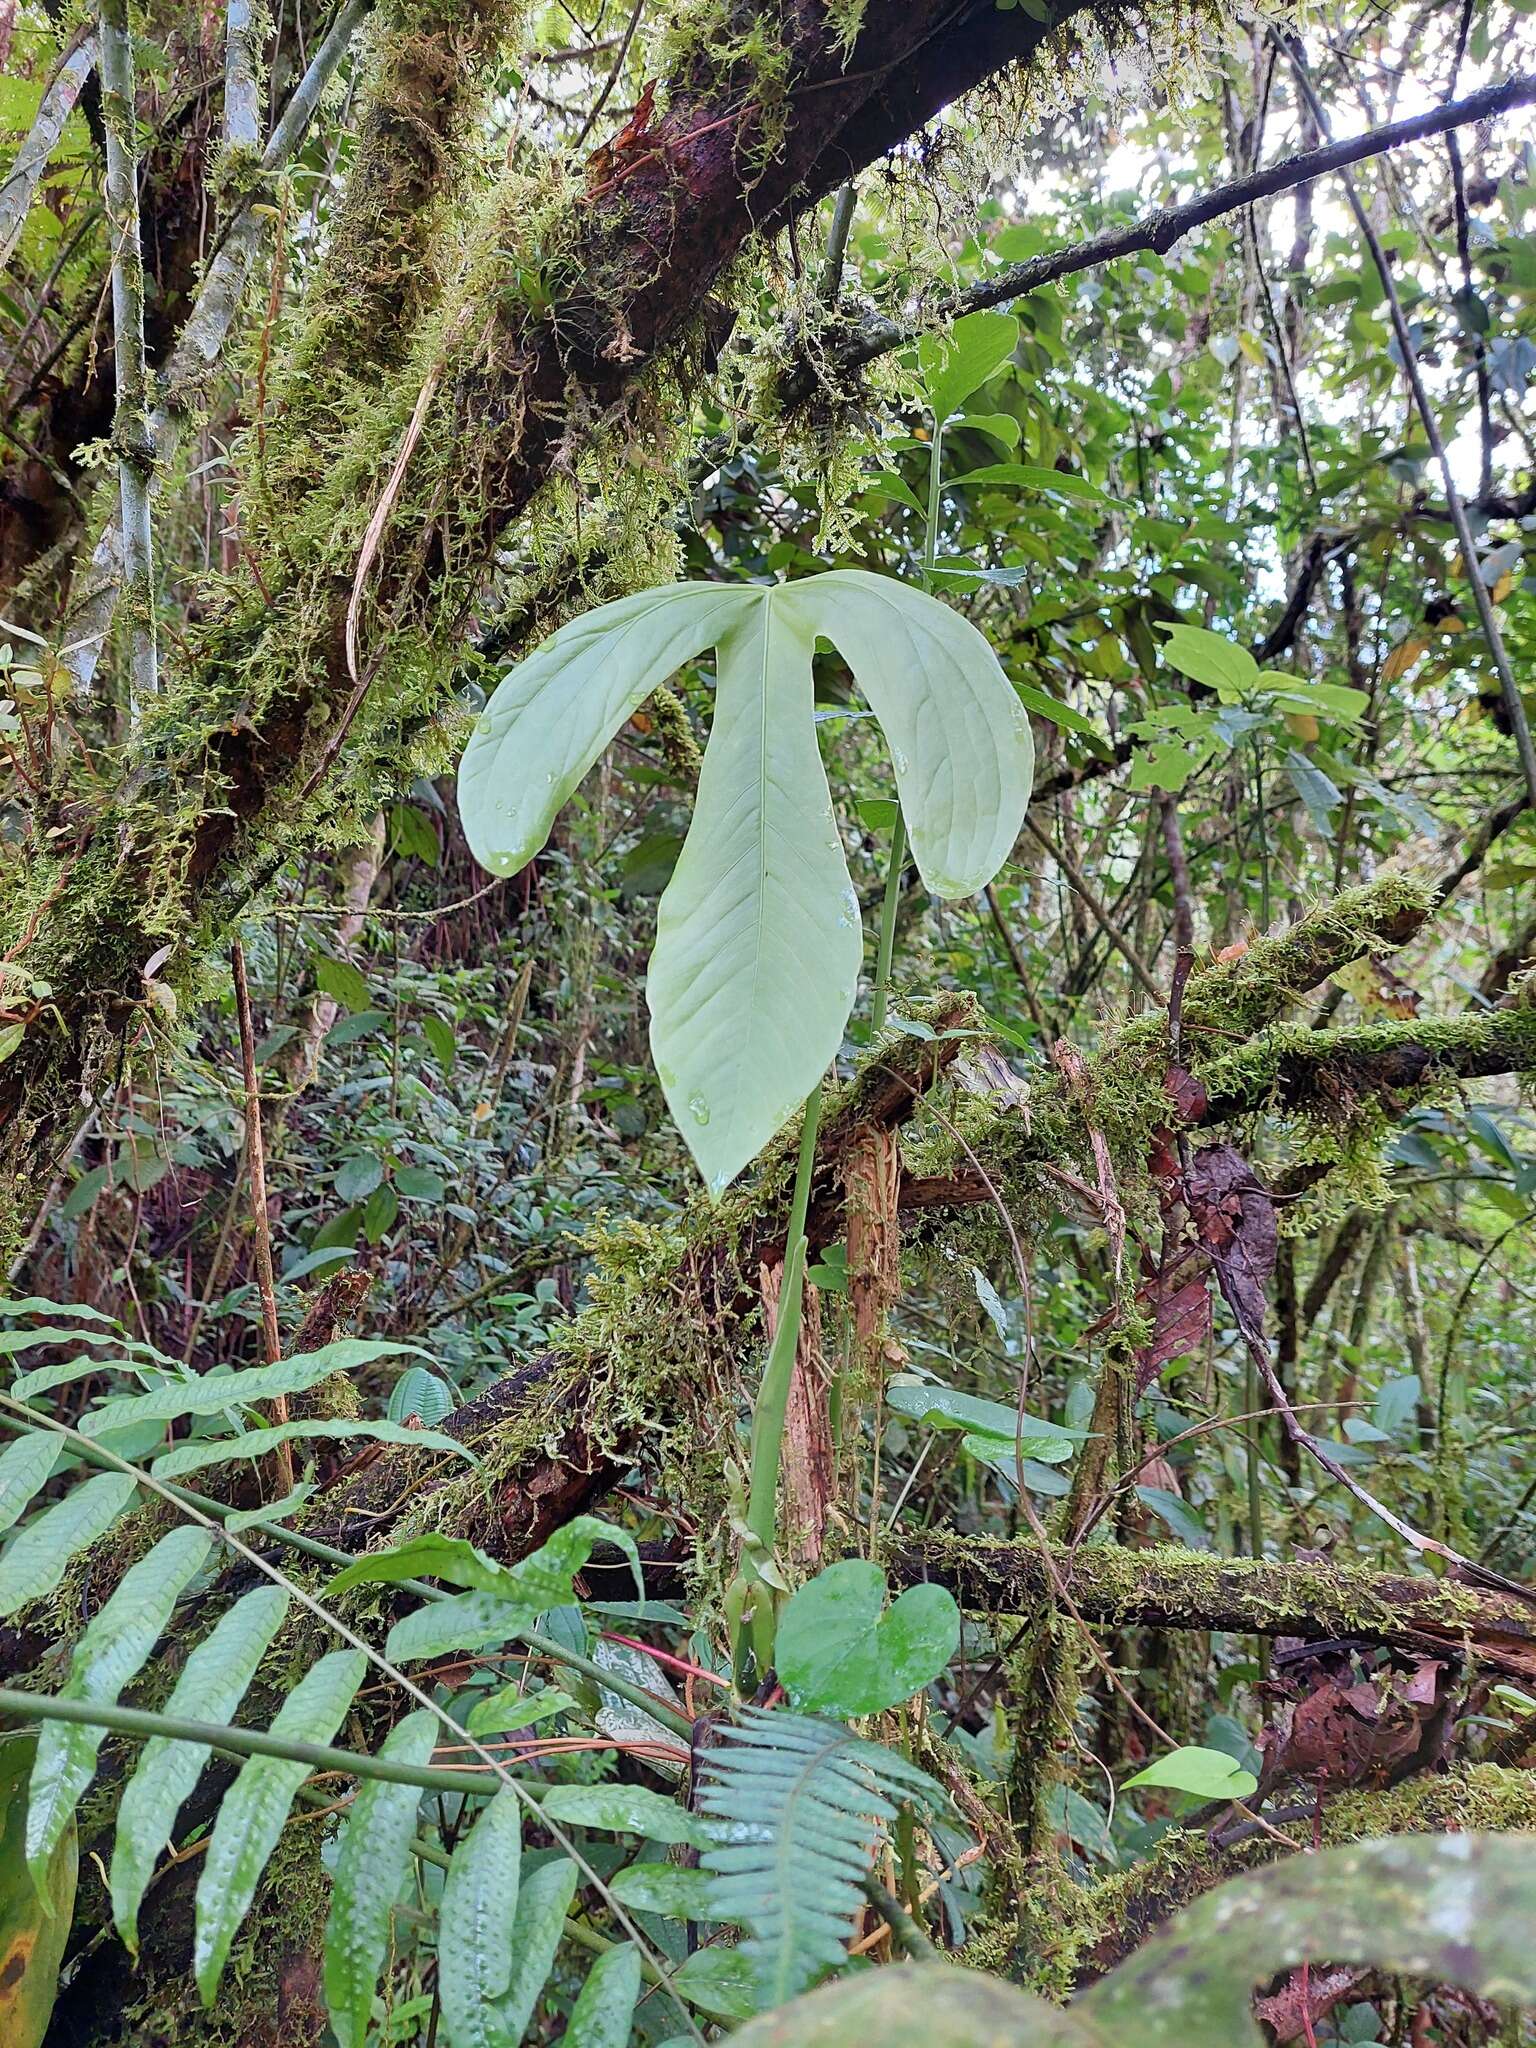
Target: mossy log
[1169, 1587]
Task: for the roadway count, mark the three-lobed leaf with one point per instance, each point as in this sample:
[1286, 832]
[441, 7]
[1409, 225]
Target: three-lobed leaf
[758, 942]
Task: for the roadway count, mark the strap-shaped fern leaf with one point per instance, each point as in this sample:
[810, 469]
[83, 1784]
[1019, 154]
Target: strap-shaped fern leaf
[799, 1808]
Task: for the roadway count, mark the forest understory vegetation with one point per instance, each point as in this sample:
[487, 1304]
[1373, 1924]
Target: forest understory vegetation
[767, 997]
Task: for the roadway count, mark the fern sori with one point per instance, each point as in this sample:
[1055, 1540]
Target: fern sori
[798, 1807]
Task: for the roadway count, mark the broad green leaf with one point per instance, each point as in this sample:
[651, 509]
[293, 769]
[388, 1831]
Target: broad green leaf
[552, 715]
[34, 1918]
[215, 1392]
[544, 1578]
[467, 1621]
[959, 737]
[255, 1443]
[26, 1466]
[112, 1650]
[1316, 790]
[358, 1176]
[340, 980]
[39, 1305]
[475, 1927]
[543, 1901]
[38, 1557]
[840, 1650]
[1051, 708]
[945, 1408]
[624, 1809]
[439, 1035]
[758, 941]
[210, 1688]
[663, 1888]
[256, 1807]
[601, 2016]
[372, 1865]
[513, 1708]
[719, 1981]
[422, 1394]
[1205, 1773]
[12, 1341]
[44, 1378]
[957, 361]
[1451, 1909]
[1210, 658]
[1032, 476]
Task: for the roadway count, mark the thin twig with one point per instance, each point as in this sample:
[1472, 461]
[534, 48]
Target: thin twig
[1160, 229]
[1481, 598]
[1102, 917]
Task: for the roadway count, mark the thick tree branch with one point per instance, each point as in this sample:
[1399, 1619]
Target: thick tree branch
[1169, 1587]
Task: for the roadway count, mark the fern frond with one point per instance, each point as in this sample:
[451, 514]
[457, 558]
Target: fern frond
[799, 1808]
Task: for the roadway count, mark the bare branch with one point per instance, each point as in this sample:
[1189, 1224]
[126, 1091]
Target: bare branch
[1159, 230]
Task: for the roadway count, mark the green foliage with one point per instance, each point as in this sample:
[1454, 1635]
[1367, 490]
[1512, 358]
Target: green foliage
[793, 1801]
[35, 1906]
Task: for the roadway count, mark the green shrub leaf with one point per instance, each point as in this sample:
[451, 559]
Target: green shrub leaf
[841, 1650]
[475, 1928]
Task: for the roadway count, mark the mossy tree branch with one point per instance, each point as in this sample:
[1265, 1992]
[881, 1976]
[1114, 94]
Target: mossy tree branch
[1170, 1587]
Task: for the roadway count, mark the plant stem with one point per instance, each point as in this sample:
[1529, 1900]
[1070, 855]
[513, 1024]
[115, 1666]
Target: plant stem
[773, 1395]
[888, 907]
[131, 435]
[242, 1742]
[256, 1164]
[843, 208]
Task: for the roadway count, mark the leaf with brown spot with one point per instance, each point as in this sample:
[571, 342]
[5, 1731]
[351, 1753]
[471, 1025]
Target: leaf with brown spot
[33, 1931]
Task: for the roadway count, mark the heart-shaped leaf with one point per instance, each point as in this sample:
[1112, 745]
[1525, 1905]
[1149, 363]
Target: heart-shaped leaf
[841, 1650]
[1205, 1773]
[758, 944]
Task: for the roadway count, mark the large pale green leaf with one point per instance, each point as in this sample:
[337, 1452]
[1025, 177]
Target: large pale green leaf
[601, 2016]
[211, 1686]
[542, 1579]
[467, 1621]
[475, 1924]
[255, 1808]
[758, 941]
[552, 715]
[840, 1650]
[372, 1865]
[34, 1918]
[959, 737]
[112, 1650]
[38, 1557]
